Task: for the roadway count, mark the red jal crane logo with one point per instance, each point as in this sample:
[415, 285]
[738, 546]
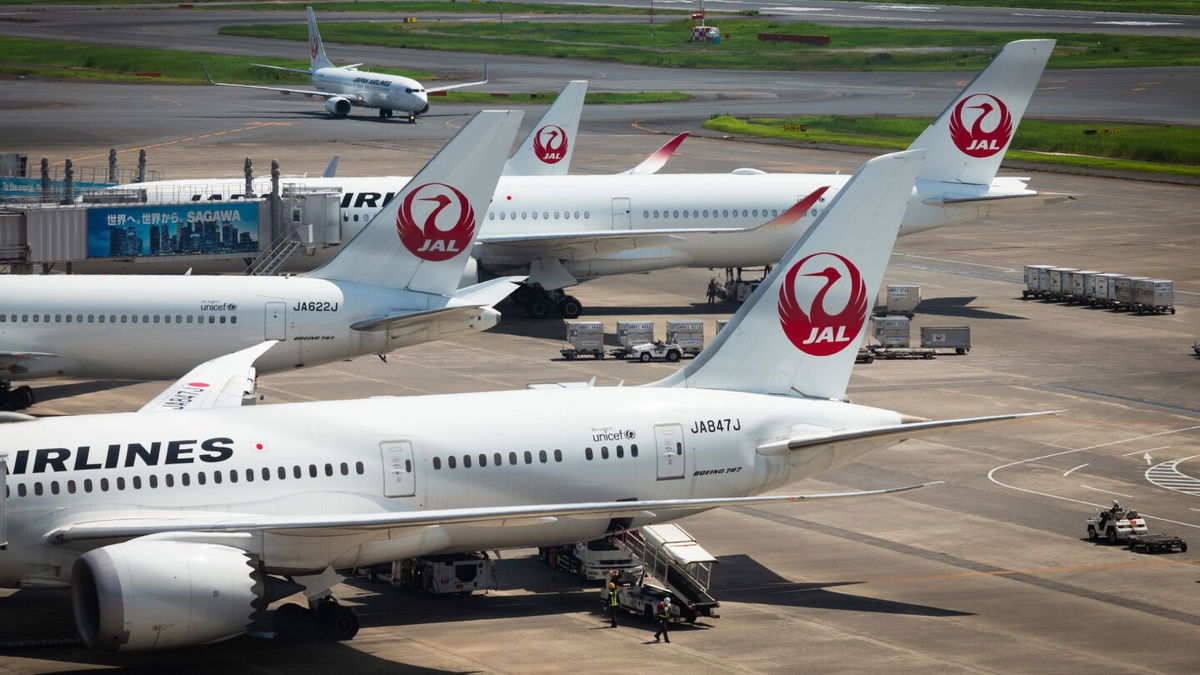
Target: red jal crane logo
[807, 322]
[312, 47]
[976, 141]
[550, 144]
[448, 226]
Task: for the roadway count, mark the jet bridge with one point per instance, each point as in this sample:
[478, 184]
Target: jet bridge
[674, 558]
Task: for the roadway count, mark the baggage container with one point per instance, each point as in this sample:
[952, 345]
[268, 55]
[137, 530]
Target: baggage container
[957, 338]
[1106, 289]
[1123, 292]
[1154, 296]
[1037, 280]
[1082, 282]
[891, 331]
[1060, 282]
[903, 299]
[586, 338]
[687, 333]
[631, 333]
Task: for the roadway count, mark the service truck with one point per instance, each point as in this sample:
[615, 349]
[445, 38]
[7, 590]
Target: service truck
[457, 574]
[594, 560]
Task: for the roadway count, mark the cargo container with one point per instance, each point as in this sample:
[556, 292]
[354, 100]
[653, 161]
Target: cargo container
[1123, 297]
[1106, 289]
[1037, 280]
[957, 338]
[1154, 296]
[630, 333]
[687, 333]
[585, 338]
[891, 331]
[903, 299]
[1083, 286]
[1060, 283]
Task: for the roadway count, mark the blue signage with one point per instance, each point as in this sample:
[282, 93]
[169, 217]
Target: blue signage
[174, 229]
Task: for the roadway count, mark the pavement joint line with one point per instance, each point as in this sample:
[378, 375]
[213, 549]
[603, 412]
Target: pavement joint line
[1016, 575]
[1138, 452]
[1119, 494]
[1119, 397]
[1032, 570]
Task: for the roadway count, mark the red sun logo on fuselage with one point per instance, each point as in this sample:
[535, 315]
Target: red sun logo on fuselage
[974, 140]
[447, 226]
[550, 144]
[803, 315]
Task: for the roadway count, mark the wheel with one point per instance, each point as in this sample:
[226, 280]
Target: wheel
[522, 295]
[598, 355]
[295, 623]
[960, 351]
[337, 622]
[1183, 547]
[645, 357]
[383, 113]
[570, 356]
[412, 119]
[1092, 533]
[537, 308]
[569, 307]
[1112, 535]
[672, 356]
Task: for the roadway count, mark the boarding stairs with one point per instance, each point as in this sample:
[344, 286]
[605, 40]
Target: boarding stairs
[675, 559]
[271, 261]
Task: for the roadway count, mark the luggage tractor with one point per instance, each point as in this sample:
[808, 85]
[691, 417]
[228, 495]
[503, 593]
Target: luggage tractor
[1116, 524]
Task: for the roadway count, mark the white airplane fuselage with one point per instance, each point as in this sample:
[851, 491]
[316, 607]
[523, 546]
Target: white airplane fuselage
[336, 458]
[373, 90]
[557, 204]
[159, 327]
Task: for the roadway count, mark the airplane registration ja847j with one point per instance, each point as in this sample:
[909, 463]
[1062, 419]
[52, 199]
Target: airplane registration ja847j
[179, 527]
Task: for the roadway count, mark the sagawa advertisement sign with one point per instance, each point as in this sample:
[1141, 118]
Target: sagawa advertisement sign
[170, 230]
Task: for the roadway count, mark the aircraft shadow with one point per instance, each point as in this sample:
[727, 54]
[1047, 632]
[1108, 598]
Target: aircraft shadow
[957, 307]
[751, 582]
[57, 391]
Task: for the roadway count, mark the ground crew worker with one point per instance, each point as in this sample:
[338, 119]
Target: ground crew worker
[712, 291]
[613, 604]
[662, 614]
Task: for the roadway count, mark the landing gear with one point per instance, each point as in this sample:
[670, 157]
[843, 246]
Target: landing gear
[412, 118]
[16, 399]
[329, 621]
[539, 303]
[569, 307]
[384, 113]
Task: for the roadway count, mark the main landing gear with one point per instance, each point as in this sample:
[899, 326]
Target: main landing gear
[539, 303]
[384, 113]
[327, 620]
[16, 399]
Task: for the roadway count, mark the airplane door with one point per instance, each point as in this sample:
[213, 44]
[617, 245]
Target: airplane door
[276, 325]
[672, 461]
[399, 470]
[622, 211]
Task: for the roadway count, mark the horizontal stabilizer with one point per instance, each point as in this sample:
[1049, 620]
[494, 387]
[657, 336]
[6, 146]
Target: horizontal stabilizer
[145, 523]
[222, 382]
[487, 293]
[1043, 197]
[409, 319]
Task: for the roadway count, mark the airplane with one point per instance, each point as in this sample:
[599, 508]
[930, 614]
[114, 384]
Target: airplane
[561, 230]
[345, 87]
[176, 527]
[391, 286]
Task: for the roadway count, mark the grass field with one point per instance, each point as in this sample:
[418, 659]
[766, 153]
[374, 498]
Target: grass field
[1159, 149]
[444, 7]
[849, 49]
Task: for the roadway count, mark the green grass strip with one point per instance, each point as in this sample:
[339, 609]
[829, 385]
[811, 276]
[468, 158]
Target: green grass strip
[1163, 149]
[594, 98]
[849, 48]
[444, 7]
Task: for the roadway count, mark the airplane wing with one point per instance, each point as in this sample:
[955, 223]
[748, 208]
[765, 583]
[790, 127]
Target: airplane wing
[290, 70]
[219, 383]
[144, 523]
[430, 90]
[283, 90]
[657, 159]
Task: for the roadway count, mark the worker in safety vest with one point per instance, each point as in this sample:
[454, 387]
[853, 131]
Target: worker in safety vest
[613, 604]
[662, 614]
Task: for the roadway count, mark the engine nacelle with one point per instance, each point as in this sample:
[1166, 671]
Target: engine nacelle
[470, 275]
[147, 594]
[337, 106]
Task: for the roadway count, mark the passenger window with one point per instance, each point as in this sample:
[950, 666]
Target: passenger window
[222, 319]
[542, 456]
[408, 466]
[46, 318]
[587, 452]
[587, 214]
[620, 451]
[545, 215]
[185, 479]
[189, 319]
[250, 474]
[633, 450]
[112, 318]
[178, 318]
[528, 457]
[124, 318]
[53, 487]
[233, 475]
[512, 215]
[35, 318]
[71, 487]
[437, 463]
[724, 213]
[21, 490]
[137, 482]
[153, 481]
[166, 318]
[133, 318]
[145, 318]
[297, 472]
[534, 214]
[482, 460]
[556, 214]
[218, 477]
[58, 318]
[645, 214]
[157, 318]
[679, 449]
[266, 473]
[604, 452]
[24, 317]
[87, 485]
[358, 468]
[452, 462]
[674, 214]
[512, 458]
[497, 459]
[37, 488]
[577, 215]
[524, 215]
[356, 217]
[212, 319]
[104, 485]
[170, 480]
[282, 473]
[558, 455]
[328, 469]
[501, 215]
[201, 478]
[491, 215]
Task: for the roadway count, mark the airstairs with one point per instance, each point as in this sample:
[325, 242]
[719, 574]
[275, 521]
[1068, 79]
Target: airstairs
[675, 559]
[271, 261]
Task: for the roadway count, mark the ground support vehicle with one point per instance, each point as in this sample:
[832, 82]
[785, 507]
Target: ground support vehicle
[650, 351]
[1037, 281]
[687, 333]
[1105, 289]
[458, 574]
[1196, 349]
[585, 338]
[1154, 296]
[595, 560]
[1082, 286]
[1115, 526]
[957, 338]
[1123, 298]
[1060, 284]
[891, 331]
[1156, 543]
[679, 566]
[631, 333]
[886, 352]
[867, 356]
[642, 599]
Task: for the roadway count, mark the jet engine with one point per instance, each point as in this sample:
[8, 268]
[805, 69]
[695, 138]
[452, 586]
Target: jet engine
[147, 594]
[337, 106]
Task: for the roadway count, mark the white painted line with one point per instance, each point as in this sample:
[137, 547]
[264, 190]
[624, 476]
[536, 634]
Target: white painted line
[1168, 476]
[1089, 487]
[991, 475]
[1068, 473]
[1136, 452]
[957, 262]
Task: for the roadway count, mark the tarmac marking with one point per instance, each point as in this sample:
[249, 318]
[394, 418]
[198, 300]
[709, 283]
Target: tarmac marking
[1138, 452]
[991, 475]
[1119, 494]
[249, 127]
[1071, 471]
[1168, 476]
[1031, 570]
[956, 262]
[1050, 88]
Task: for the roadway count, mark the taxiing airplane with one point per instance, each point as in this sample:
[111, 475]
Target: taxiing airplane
[176, 528]
[561, 230]
[392, 285]
[345, 87]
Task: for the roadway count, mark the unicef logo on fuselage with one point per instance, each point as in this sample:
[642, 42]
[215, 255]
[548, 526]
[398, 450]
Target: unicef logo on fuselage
[822, 304]
[447, 222]
[550, 144]
[984, 133]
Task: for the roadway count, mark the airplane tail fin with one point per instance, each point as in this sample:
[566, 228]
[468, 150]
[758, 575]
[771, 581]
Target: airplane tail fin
[799, 332]
[421, 239]
[968, 139]
[316, 50]
[546, 151]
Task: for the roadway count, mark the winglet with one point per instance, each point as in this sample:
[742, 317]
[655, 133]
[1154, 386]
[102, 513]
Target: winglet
[657, 159]
[331, 169]
[794, 213]
[222, 382]
[206, 74]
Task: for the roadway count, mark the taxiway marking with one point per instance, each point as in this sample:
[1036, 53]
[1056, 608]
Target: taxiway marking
[1089, 487]
[1070, 471]
[249, 127]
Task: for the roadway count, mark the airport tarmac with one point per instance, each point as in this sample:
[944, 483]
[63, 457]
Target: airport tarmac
[989, 571]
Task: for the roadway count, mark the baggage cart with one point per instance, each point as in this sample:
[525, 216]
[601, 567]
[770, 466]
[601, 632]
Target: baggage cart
[1083, 284]
[891, 331]
[1154, 296]
[687, 333]
[892, 353]
[1060, 283]
[585, 338]
[1156, 543]
[957, 338]
[1123, 294]
[1106, 289]
[631, 333]
[902, 299]
[1037, 281]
